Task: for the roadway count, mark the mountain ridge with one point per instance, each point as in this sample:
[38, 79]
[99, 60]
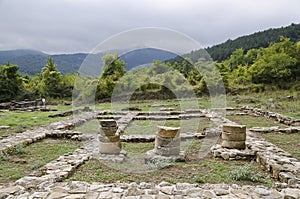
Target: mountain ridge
[260, 39]
[32, 61]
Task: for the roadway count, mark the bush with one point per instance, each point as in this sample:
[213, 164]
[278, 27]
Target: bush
[296, 87]
[257, 88]
[245, 173]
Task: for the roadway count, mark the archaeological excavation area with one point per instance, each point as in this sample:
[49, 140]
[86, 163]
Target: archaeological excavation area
[162, 153]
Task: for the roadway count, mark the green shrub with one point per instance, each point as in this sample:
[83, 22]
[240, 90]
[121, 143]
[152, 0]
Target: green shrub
[199, 180]
[245, 173]
[257, 88]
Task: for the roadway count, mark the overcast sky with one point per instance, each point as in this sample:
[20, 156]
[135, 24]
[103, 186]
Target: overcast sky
[67, 26]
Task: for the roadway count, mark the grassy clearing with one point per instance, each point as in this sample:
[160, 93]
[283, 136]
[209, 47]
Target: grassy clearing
[147, 127]
[156, 105]
[26, 159]
[273, 101]
[20, 121]
[89, 127]
[194, 170]
[288, 142]
[251, 121]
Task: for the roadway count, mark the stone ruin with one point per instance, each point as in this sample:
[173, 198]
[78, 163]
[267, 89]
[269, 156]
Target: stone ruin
[109, 141]
[167, 141]
[26, 105]
[233, 145]
[282, 166]
[167, 146]
[234, 136]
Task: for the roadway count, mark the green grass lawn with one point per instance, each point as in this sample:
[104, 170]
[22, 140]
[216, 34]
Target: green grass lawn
[288, 142]
[194, 170]
[251, 121]
[89, 127]
[156, 105]
[276, 101]
[26, 159]
[147, 127]
[20, 121]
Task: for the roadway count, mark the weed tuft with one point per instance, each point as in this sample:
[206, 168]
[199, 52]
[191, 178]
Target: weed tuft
[245, 173]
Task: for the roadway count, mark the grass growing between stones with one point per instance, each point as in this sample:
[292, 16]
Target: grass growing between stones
[89, 127]
[194, 170]
[20, 121]
[156, 105]
[147, 127]
[288, 142]
[272, 101]
[24, 160]
[251, 121]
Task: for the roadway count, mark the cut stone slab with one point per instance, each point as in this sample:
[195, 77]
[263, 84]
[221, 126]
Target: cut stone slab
[167, 109]
[110, 148]
[4, 127]
[120, 157]
[233, 136]
[292, 193]
[108, 123]
[10, 190]
[232, 154]
[167, 151]
[151, 157]
[167, 132]
[108, 131]
[107, 139]
[234, 128]
[40, 195]
[234, 144]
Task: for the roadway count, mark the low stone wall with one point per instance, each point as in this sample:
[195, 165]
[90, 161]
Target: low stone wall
[144, 190]
[71, 112]
[275, 116]
[55, 171]
[290, 129]
[151, 138]
[275, 160]
[56, 129]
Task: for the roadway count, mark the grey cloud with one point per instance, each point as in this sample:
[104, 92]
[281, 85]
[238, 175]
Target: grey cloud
[78, 25]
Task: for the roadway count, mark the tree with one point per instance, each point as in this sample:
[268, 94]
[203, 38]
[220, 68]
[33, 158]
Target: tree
[11, 85]
[274, 64]
[51, 81]
[113, 66]
[113, 70]
[237, 58]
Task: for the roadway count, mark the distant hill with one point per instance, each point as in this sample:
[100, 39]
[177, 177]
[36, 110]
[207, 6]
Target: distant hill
[32, 62]
[260, 39]
[145, 56]
[10, 54]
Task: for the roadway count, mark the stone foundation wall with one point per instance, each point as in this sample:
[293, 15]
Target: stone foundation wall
[275, 160]
[272, 115]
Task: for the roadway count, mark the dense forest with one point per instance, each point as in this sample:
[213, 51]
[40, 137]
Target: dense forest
[257, 40]
[276, 66]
